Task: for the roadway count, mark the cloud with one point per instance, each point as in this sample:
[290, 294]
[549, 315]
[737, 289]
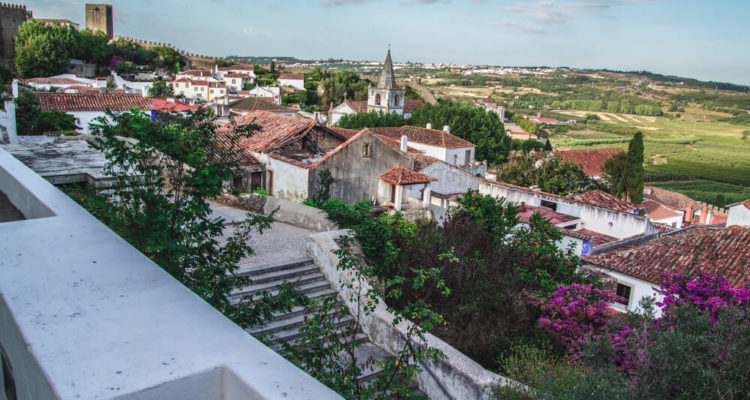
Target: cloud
[537, 16]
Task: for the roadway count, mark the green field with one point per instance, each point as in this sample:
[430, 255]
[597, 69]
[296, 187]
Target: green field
[695, 154]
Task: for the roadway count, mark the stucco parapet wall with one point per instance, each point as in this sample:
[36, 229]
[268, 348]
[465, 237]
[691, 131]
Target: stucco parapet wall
[84, 315]
[456, 377]
[287, 211]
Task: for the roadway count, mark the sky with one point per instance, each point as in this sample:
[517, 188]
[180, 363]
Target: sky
[701, 39]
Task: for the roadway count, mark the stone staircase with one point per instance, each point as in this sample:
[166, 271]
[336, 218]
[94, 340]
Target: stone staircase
[306, 278]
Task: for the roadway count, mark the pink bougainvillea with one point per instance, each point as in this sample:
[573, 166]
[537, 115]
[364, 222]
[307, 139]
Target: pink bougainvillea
[576, 313]
[706, 292]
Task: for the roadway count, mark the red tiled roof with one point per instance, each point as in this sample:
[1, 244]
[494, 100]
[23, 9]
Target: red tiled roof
[235, 75]
[663, 228]
[604, 200]
[401, 175]
[411, 104]
[489, 100]
[195, 72]
[423, 161]
[724, 251]
[173, 105]
[93, 101]
[590, 160]
[53, 81]
[525, 212]
[658, 211]
[673, 200]
[276, 130]
[599, 238]
[238, 68]
[432, 137]
[298, 77]
[249, 104]
[346, 133]
[517, 187]
[357, 105]
[246, 159]
[397, 143]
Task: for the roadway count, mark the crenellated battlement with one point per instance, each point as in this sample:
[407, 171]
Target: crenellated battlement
[150, 44]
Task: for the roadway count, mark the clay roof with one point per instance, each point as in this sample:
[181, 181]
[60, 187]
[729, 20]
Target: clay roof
[598, 238]
[357, 105]
[235, 75]
[346, 133]
[489, 100]
[53, 81]
[423, 161]
[658, 211]
[298, 77]
[590, 160]
[245, 158]
[604, 200]
[432, 137]
[526, 211]
[276, 130]
[249, 104]
[412, 104]
[171, 105]
[745, 203]
[195, 72]
[401, 175]
[709, 249]
[93, 101]
[673, 200]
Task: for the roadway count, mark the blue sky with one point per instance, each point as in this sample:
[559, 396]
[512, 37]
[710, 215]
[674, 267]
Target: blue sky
[693, 38]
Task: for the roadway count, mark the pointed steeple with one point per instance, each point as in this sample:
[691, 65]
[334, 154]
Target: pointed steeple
[387, 77]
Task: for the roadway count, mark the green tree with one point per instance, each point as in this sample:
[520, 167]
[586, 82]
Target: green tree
[167, 57]
[343, 84]
[160, 88]
[547, 146]
[43, 50]
[484, 129]
[634, 171]
[370, 120]
[164, 211]
[31, 119]
[92, 46]
[550, 172]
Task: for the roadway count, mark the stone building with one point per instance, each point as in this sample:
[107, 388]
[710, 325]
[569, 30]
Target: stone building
[99, 18]
[12, 16]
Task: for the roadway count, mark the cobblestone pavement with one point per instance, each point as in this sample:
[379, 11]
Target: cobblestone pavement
[280, 243]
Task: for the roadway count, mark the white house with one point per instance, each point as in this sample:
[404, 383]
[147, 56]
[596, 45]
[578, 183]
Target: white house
[663, 215]
[272, 92]
[196, 75]
[200, 90]
[62, 81]
[86, 107]
[236, 82]
[638, 267]
[739, 214]
[296, 81]
[434, 143]
[247, 71]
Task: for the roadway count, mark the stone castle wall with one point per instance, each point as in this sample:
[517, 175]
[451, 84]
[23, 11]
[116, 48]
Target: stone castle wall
[11, 18]
[194, 60]
[99, 18]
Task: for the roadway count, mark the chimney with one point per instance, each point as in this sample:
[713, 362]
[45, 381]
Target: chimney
[689, 214]
[429, 125]
[447, 128]
[404, 141]
[539, 114]
[704, 214]
[170, 99]
[522, 207]
[710, 218]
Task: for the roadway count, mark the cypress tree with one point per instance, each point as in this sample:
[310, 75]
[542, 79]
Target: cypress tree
[547, 146]
[634, 170]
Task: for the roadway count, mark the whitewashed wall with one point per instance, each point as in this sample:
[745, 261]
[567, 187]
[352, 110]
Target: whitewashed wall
[290, 182]
[738, 215]
[639, 289]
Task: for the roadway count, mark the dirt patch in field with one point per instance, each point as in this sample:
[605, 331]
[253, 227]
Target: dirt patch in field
[657, 159]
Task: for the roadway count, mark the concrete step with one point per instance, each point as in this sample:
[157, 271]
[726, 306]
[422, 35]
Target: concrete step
[278, 325]
[312, 294]
[284, 274]
[250, 270]
[291, 334]
[359, 337]
[304, 283]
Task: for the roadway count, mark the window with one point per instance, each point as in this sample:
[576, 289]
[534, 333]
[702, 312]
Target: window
[395, 100]
[549, 204]
[455, 159]
[468, 156]
[212, 90]
[366, 150]
[624, 292]
[377, 99]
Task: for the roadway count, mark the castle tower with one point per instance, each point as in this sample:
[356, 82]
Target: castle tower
[387, 97]
[99, 18]
[12, 16]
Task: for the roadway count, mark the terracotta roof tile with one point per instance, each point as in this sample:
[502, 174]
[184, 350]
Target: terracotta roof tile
[93, 101]
[525, 212]
[599, 238]
[590, 160]
[298, 77]
[173, 105]
[246, 159]
[401, 175]
[411, 104]
[604, 200]
[673, 200]
[710, 249]
[53, 81]
[658, 211]
[359, 106]
[249, 104]
[432, 137]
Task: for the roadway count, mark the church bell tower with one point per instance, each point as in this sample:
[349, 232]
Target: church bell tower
[386, 97]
